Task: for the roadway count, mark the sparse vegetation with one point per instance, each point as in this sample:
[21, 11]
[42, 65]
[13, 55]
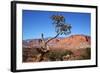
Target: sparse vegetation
[61, 28]
[87, 54]
[53, 55]
[58, 55]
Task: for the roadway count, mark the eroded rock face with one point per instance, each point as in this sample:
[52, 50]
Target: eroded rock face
[72, 42]
[79, 45]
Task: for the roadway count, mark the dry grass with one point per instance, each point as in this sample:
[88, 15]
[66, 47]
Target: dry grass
[32, 55]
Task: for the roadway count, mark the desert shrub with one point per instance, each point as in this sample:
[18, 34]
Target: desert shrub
[57, 55]
[24, 58]
[28, 53]
[87, 54]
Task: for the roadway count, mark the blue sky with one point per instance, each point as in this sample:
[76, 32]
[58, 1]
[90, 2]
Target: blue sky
[36, 22]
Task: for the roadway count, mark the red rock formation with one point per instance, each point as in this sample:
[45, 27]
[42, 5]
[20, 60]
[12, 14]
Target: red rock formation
[72, 42]
[79, 45]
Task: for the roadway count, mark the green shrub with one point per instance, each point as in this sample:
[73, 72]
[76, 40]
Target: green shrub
[87, 54]
[57, 55]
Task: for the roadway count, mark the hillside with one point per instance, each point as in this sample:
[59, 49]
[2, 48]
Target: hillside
[75, 47]
[74, 41]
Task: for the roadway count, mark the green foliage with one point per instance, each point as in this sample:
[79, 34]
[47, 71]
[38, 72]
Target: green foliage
[60, 26]
[57, 55]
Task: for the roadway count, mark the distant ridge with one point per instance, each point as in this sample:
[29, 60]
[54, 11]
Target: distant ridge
[71, 42]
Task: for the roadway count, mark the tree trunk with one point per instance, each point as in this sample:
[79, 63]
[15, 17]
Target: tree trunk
[44, 47]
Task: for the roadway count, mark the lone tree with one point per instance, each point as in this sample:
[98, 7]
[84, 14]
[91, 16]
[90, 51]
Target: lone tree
[60, 28]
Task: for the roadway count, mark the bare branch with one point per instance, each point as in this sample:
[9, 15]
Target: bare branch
[52, 38]
[42, 37]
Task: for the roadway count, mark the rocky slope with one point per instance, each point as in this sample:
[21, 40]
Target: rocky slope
[71, 42]
[75, 47]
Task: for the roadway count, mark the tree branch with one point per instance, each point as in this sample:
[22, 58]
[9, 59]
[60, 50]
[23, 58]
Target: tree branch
[52, 38]
[43, 40]
[42, 36]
